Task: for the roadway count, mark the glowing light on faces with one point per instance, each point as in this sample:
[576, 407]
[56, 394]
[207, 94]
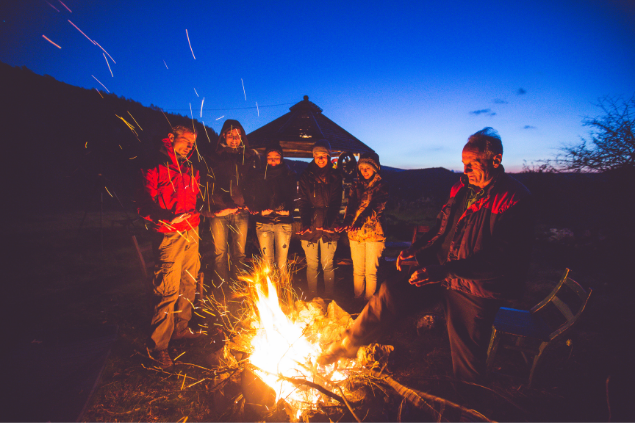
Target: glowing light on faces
[366, 170]
[274, 158]
[233, 138]
[183, 144]
[478, 167]
[321, 159]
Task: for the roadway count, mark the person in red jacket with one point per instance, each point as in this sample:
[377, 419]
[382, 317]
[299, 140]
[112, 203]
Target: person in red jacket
[475, 257]
[167, 200]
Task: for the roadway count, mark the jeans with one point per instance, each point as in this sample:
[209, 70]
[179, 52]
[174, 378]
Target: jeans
[232, 228]
[365, 257]
[176, 266]
[278, 234]
[327, 252]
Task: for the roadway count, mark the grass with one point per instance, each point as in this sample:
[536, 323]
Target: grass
[62, 279]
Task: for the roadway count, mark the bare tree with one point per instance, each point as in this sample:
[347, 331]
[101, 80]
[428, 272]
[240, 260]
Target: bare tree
[612, 142]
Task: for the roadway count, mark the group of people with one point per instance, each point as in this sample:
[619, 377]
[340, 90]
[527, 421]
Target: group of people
[473, 259]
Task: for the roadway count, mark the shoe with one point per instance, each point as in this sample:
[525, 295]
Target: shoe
[338, 350]
[186, 334]
[164, 359]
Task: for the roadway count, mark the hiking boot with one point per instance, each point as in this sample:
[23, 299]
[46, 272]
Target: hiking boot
[186, 334]
[164, 359]
[338, 350]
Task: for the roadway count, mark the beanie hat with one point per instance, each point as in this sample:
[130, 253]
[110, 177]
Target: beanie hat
[274, 146]
[322, 146]
[371, 159]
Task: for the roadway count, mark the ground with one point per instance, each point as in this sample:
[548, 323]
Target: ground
[61, 278]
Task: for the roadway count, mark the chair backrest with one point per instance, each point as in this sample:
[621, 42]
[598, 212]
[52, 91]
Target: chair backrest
[563, 306]
[419, 229]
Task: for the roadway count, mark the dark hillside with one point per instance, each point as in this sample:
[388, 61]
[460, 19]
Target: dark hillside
[61, 137]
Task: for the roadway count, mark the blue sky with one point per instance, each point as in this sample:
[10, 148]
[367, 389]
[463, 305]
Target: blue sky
[411, 79]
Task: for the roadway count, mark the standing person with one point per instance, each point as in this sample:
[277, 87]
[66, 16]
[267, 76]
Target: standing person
[479, 252]
[320, 200]
[275, 191]
[229, 186]
[167, 200]
[363, 222]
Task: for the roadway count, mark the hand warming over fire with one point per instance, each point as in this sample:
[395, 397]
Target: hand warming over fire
[406, 254]
[427, 275]
[180, 218]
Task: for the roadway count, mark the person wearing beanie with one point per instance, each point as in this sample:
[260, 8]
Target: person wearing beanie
[229, 184]
[273, 207]
[320, 190]
[363, 222]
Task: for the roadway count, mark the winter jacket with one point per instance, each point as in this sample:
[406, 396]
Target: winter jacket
[229, 182]
[491, 248]
[275, 189]
[169, 188]
[365, 209]
[320, 201]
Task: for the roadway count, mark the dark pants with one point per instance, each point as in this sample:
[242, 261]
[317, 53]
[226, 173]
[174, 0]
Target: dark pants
[469, 321]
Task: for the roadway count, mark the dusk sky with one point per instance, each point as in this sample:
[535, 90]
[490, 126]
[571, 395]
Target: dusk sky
[411, 79]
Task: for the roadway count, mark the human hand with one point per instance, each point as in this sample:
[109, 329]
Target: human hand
[427, 275]
[283, 212]
[406, 254]
[304, 231]
[226, 212]
[266, 212]
[180, 218]
[328, 231]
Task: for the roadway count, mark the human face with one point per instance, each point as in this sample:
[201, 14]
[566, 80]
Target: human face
[273, 158]
[478, 167]
[233, 138]
[366, 170]
[183, 143]
[321, 159]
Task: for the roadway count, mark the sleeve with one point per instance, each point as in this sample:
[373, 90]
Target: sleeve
[147, 197]
[335, 203]
[351, 206]
[376, 206]
[509, 251]
[304, 203]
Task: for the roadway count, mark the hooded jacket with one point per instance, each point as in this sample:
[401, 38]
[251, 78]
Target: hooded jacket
[229, 182]
[169, 188]
[491, 248]
[320, 200]
[365, 209]
[276, 189]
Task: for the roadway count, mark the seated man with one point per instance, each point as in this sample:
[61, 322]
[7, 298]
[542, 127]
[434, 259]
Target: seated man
[478, 252]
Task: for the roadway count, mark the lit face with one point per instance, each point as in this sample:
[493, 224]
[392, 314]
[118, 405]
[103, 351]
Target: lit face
[366, 170]
[183, 143]
[478, 167]
[273, 158]
[233, 138]
[321, 159]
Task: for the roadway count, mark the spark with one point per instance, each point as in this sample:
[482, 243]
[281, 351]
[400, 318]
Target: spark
[49, 40]
[106, 188]
[65, 6]
[82, 32]
[52, 6]
[203, 101]
[99, 93]
[102, 49]
[205, 128]
[244, 92]
[86, 145]
[108, 66]
[132, 158]
[196, 92]
[166, 118]
[192, 116]
[188, 41]
[166, 65]
[98, 81]
[220, 117]
[257, 109]
[177, 357]
[183, 384]
[135, 121]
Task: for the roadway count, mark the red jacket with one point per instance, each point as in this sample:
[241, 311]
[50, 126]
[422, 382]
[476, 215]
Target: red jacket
[168, 190]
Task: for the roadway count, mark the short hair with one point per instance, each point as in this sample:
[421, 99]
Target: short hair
[180, 130]
[487, 141]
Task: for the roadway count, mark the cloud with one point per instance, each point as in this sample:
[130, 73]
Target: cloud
[529, 127]
[487, 112]
[521, 91]
[499, 101]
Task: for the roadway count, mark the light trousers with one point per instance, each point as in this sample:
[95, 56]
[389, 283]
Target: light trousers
[327, 251]
[365, 257]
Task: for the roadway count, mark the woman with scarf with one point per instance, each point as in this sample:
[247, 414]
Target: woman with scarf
[320, 199]
[274, 195]
[364, 213]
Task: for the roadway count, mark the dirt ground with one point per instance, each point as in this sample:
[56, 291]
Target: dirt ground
[62, 278]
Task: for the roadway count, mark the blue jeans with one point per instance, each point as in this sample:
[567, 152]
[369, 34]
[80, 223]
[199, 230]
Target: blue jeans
[225, 229]
[327, 252]
[365, 257]
[278, 234]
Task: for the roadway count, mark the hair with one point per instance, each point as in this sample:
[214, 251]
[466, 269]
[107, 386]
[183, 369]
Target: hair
[487, 141]
[180, 130]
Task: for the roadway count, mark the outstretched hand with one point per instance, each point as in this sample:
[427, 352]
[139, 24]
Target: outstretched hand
[304, 231]
[180, 218]
[406, 254]
[427, 275]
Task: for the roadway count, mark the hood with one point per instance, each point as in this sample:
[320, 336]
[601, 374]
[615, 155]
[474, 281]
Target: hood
[228, 126]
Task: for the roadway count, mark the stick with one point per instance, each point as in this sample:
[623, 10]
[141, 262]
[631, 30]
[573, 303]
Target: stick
[347, 405]
[313, 385]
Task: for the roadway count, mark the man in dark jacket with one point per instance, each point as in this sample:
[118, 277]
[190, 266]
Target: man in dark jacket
[229, 186]
[479, 252]
[275, 192]
[320, 189]
[167, 200]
